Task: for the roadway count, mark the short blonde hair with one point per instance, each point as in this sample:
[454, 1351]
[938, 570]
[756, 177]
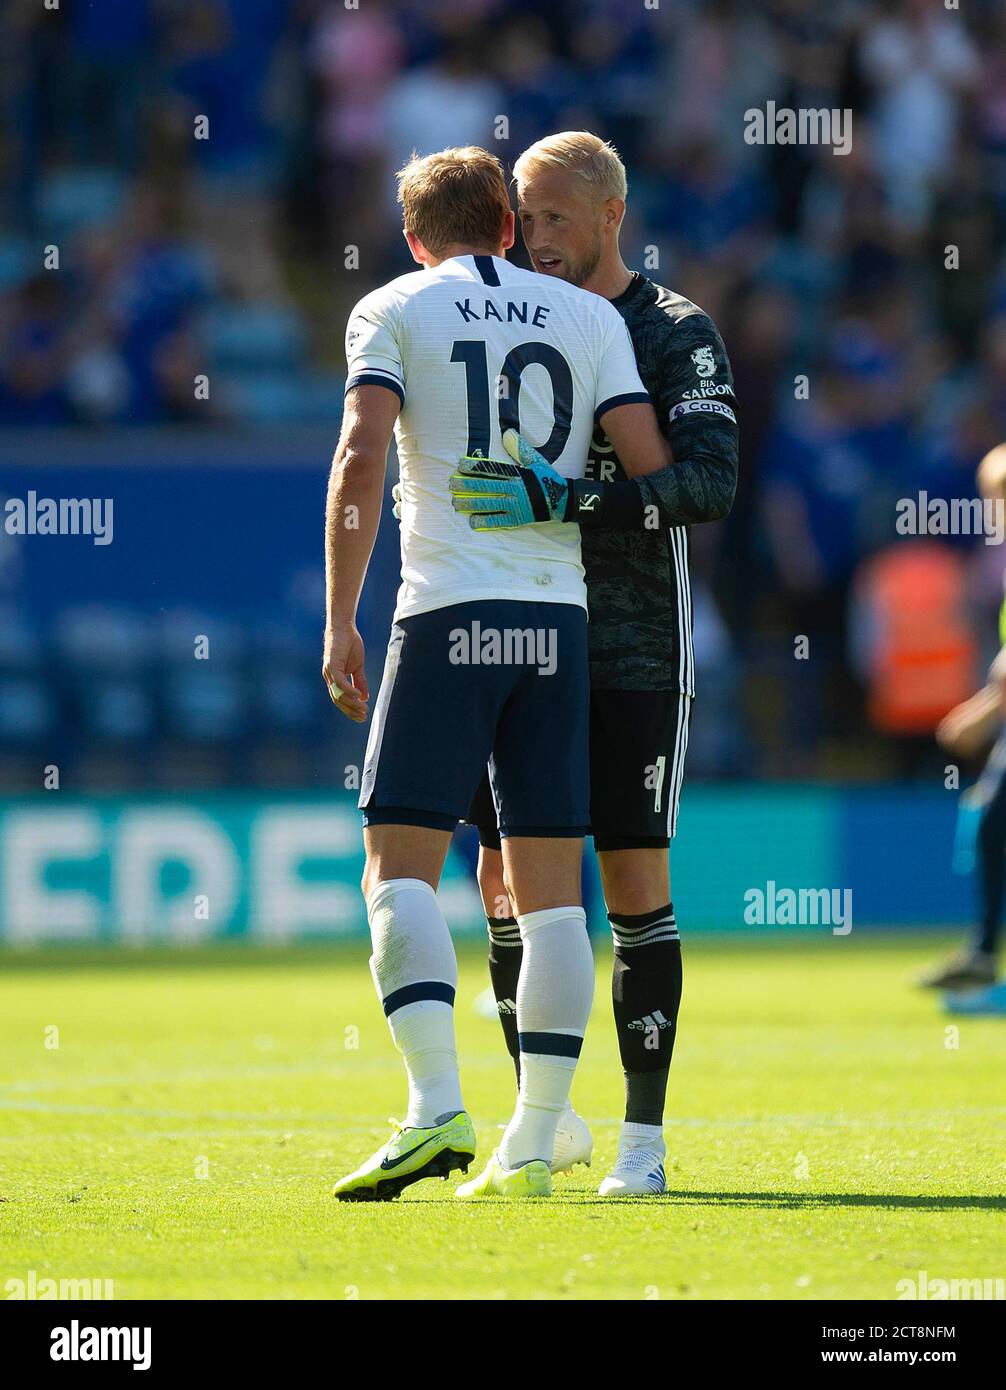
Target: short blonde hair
[595, 160]
[992, 473]
[456, 197]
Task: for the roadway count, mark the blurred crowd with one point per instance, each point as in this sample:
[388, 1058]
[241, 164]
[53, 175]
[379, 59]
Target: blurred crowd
[215, 177]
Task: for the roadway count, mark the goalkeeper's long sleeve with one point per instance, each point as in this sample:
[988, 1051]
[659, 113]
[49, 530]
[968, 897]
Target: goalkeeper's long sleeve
[690, 490]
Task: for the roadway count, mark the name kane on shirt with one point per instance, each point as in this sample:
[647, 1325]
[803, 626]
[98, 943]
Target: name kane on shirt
[515, 313]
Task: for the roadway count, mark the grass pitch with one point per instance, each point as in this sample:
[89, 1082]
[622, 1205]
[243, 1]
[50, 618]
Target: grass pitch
[828, 1136]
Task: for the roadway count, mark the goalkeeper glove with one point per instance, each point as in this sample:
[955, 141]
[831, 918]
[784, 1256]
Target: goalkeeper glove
[495, 494]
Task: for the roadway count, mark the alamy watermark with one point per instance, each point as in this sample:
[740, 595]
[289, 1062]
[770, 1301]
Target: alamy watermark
[960, 516]
[76, 1343]
[937, 1290]
[772, 906]
[782, 125]
[508, 646]
[34, 1288]
[59, 516]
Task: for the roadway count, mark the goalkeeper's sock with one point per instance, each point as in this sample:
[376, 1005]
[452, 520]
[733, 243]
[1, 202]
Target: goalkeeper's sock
[646, 997]
[505, 955]
[636, 1136]
[554, 995]
[416, 974]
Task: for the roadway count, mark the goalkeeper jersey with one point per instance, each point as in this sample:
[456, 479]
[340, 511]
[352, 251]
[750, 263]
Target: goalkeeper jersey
[638, 588]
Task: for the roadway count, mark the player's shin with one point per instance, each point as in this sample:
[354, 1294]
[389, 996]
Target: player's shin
[646, 995]
[505, 955]
[554, 996]
[415, 971]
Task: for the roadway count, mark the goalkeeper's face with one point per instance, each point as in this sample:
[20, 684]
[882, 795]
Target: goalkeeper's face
[562, 222]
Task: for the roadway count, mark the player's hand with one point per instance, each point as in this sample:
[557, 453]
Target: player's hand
[343, 673]
[495, 494]
[951, 735]
[970, 726]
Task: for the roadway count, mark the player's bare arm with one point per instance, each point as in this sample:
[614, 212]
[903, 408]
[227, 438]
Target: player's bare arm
[352, 516]
[971, 726]
[635, 433]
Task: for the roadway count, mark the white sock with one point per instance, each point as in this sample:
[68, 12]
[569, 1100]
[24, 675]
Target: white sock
[416, 974]
[554, 994]
[424, 1035]
[636, 1136]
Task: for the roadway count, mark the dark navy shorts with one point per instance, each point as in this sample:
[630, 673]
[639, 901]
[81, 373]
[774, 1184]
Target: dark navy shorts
[638, 740]
[498, 682]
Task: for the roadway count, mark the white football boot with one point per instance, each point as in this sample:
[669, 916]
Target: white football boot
[573, 1142]
[637, 1172]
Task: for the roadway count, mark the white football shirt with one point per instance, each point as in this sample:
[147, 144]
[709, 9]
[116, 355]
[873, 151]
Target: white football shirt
[473, 347]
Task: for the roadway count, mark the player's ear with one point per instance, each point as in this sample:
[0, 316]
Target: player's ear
[419, 252]
[614, 212]
[508, 232]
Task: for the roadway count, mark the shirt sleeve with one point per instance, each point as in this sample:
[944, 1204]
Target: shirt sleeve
[696, 383]
[373, 349]
[695, 402]
[618, 379]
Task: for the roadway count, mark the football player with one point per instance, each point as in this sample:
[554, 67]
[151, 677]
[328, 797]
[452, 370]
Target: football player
[967, 732]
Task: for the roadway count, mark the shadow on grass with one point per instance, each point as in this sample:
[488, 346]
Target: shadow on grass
[808, 1200]
[777, 1201]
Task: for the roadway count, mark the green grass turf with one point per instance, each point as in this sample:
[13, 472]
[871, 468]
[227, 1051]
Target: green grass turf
[824, 1140]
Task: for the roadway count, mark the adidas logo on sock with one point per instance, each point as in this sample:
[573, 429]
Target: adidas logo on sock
[506, 1006]
[654, 1020]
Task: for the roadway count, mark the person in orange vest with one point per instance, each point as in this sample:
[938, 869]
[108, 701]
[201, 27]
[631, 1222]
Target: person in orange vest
[922, 652]
[966, 732]
[912, 642]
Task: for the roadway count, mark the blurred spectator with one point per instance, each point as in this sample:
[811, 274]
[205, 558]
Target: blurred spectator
[355, 65]
[32, 355]
[450, 101]
[919, 63]
[913, 645]
[110, 52]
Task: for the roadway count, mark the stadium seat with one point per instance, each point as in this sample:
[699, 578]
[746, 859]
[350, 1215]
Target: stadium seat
[17, 262]
[71, 198]
[27, 710]
[203, 699]
[260, 336]
[287, 690]
[275, 397]
[103, 653]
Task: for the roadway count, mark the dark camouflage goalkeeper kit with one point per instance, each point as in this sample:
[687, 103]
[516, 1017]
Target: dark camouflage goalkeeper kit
[638, 588]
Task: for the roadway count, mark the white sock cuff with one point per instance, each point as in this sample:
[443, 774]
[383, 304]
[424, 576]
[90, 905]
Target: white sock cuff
[533, 921]
[637, 1135]
[389, 886]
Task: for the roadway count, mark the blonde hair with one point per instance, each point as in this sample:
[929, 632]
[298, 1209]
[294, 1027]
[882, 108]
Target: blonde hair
[456, 197]
[992, 473]
[595, 160]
